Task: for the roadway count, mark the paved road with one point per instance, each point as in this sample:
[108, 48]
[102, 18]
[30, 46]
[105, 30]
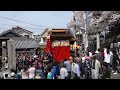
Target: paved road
[117, 76]
[1, 73]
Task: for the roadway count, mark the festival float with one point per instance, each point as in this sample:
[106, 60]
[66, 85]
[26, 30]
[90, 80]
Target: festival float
[58, 43]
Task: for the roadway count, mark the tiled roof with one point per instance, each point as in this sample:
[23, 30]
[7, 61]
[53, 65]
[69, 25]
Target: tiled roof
[19, 29]
[22, 42]
[9, 31]
[26, 44]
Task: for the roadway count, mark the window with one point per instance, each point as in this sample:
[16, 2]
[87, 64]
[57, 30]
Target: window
[27, 36]
[3, 43]
[44, 40]
[39, 39]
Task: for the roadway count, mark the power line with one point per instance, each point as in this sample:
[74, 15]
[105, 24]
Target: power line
[4, 28]
[20, 26]
[21, 21]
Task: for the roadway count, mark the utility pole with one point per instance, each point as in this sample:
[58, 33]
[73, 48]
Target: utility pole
[86, 32]
[74, 31]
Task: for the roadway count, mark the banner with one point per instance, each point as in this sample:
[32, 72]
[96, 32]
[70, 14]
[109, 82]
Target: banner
[61, 52]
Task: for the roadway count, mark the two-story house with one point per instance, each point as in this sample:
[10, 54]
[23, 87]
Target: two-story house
[43, 38]
[23, 32]
[22, 43]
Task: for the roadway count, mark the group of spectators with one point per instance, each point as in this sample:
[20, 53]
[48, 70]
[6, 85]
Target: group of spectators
[98, 65]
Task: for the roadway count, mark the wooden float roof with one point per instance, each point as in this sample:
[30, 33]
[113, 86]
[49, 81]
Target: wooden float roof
[61, 33]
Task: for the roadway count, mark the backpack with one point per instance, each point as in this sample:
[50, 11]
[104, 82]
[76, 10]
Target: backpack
[72, 66]
[87, 66]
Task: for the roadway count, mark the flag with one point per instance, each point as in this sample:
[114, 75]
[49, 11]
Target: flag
[48, 45]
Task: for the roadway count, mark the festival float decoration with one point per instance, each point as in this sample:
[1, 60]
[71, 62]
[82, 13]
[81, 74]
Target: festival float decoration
[58, 43]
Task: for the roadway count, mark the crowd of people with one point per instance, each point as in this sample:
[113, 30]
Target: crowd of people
[98, 65]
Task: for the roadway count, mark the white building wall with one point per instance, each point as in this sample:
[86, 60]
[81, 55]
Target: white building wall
[41, 40]
[23, 34]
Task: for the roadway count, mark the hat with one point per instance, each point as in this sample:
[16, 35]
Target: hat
[12, 74]
[96, 52]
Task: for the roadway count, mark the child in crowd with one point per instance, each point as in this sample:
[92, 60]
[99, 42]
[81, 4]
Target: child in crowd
[106, 72]
[49, 75]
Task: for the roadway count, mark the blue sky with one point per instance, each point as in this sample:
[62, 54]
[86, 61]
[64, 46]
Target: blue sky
[51, 19]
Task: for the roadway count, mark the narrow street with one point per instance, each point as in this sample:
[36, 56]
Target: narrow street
[60, 44]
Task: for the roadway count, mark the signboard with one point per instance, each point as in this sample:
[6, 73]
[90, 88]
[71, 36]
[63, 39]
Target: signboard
[60, 43]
